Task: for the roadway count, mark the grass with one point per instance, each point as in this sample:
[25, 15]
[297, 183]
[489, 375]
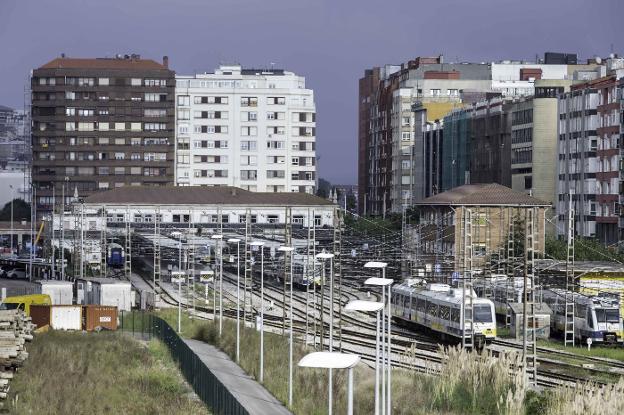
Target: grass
[469, 384]
[616, 352]
[99, 373]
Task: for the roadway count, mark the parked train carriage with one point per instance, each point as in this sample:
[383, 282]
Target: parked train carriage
[501, 292]
[115, 255]
[301, 276]
[438, 307]
[596, 317]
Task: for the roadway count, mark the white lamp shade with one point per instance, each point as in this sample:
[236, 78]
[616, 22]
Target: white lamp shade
[256, 243]
[374, 264]
[233, 240]
[286, 248]
[379, 281]
[364, 306]
[217, 237]
[324, 255]
[329, 360]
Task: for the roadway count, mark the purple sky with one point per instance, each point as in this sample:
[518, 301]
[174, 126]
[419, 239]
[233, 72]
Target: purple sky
[330, 42]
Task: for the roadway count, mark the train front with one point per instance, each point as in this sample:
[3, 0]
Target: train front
[484, 322]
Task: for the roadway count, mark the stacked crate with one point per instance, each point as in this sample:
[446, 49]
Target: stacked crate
[15, 330]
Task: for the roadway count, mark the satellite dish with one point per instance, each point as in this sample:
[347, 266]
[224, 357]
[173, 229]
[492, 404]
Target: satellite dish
[598, 60]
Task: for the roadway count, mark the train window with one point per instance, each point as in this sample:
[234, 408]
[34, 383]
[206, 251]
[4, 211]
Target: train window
[406, 301]
[455, 315]
[580, 311]
[445, 312]
[607, 315]
[432, 309]
[420, 305]
[483, 313]
[590, 320]
[613, 316]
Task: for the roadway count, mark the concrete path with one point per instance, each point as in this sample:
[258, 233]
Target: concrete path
[252, 395]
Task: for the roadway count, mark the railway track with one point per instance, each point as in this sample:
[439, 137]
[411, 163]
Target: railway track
[422, 353]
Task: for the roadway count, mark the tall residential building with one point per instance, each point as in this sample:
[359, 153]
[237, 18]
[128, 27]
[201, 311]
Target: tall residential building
[392, 153]
[589, 159]
[99, 124]
[250, 128]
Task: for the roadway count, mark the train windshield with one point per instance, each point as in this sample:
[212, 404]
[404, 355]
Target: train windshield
[482, 313]
[607, 315]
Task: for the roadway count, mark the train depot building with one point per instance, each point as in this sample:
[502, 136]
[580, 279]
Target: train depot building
[480, 224]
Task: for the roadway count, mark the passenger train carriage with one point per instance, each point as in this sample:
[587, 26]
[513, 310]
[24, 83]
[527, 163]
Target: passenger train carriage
[438, 307]
[596, 317]
[115, 255]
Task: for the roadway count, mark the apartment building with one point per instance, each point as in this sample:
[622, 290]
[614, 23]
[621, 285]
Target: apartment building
[99, 124]
[391, 151]
[589, 159]
[250, 128]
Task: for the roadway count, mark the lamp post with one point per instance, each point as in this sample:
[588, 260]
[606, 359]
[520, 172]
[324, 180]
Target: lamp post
[285, 250]
[237, 242]
[333, 360]
[62, 244]
[325, 256]
[12, 197]
[261, 245]
[367, 307]
[383, 283]
[218, 238]
[206, 277]
[178, 276]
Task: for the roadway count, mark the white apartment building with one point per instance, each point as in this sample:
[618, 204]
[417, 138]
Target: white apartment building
[249, 128]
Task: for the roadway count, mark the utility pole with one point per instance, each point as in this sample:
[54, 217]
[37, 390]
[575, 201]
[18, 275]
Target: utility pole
[157, 260]
[248, 276]
[128, 250]
[569, 287]
[466, 279]
[529, 351]
[103, 243]
[287, 262]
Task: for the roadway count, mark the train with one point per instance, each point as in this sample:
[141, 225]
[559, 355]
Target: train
[115, 255]
[301, 276]
[596, 316]
[438, 307]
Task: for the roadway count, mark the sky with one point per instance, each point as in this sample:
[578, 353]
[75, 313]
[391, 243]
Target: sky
[330, 42]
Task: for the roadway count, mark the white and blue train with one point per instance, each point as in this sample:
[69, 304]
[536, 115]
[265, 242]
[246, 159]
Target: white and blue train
[115, 255]
[438, 307]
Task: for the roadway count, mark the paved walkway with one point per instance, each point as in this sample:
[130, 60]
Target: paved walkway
[252, 395]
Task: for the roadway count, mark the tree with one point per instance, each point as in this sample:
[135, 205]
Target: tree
[323, 188]
[21, 210]
[351, 201]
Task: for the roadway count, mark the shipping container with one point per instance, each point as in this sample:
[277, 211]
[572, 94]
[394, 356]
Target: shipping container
[98, 317]
[40, 315]
[61, 292]
[66, 317]
[105, 291]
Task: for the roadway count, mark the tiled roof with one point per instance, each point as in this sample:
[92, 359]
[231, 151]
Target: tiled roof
[201, 195]
[486, 194]
[102, 63]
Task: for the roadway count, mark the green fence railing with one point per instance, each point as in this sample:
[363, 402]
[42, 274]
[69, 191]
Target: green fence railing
[205, 384]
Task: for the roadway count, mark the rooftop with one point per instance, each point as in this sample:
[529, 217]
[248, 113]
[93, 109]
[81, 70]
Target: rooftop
[201, 195]
[103, 63]
[485, 194]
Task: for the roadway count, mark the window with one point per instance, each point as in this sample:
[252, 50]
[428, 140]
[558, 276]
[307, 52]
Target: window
[249, 116]
[272, 219]
[276, 100]
[120, 126]
[70, 126]
[276, 131]
[86, 81]
[435, 92]
[248, 174]
[155, 97]
[70, 95]
[103, 82]
[70, 112]
[183, 144]
[248, 146]
[249, 131]
[135, 156]
[276, 145]
[183, 100]
[452, 92]
[483, 313]
[248, 160]
[155, 82]
[135, 126]
[120, 171]
[152, 112]
[275, 174]
[249, 101]
[136, 82]
[184, 113]
[155, 126]
[120, 156]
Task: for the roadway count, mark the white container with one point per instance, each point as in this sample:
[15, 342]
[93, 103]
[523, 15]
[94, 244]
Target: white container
[60, 292]
[66, 317]
[105, 291]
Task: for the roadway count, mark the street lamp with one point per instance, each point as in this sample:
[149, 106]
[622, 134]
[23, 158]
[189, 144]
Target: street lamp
[333, 360]
[12, 197]
[367, 307]
[178, 276]
[383, 283]
[62, 224]
[325, 256]
[218, 238]
[237, 242]
[290, 249]
[261, 245]
[206, 276]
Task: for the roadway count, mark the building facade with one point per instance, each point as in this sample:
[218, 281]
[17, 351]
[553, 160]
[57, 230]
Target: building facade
[101, 123]
[249, 128]
[589, 159]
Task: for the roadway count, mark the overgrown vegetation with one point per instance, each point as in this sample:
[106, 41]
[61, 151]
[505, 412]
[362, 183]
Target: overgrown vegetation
[99, 373]
[469, 383]
[616, 352]
[585, 249]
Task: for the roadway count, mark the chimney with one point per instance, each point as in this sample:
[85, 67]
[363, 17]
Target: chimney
[166, 61]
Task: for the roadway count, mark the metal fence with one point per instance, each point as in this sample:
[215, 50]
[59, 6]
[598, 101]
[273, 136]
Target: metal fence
[205, 384]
